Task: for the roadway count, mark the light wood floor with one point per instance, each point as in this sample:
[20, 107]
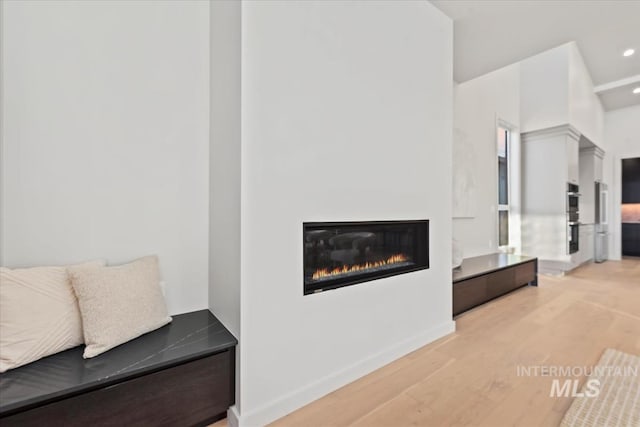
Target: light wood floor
[470, 377]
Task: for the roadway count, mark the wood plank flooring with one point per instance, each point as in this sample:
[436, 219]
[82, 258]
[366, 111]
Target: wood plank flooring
[470, 378]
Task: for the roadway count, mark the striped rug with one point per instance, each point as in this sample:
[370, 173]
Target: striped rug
[618, 401]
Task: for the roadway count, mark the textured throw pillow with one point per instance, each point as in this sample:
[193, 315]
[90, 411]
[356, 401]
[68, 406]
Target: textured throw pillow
[39, 314]
[118, 304]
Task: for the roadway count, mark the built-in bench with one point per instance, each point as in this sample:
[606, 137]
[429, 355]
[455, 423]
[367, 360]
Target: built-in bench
[483, 278]
[182, 374]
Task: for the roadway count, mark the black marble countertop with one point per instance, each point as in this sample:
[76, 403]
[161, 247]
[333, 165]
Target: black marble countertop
[188, 337]
[479, 265]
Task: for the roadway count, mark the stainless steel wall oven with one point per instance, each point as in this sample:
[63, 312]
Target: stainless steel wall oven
[573, 218]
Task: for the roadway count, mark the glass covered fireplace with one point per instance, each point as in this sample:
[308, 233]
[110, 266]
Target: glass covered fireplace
[338, 254]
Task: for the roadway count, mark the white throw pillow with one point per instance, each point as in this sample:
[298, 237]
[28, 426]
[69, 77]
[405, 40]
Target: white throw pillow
[118, 303]
[39, 314]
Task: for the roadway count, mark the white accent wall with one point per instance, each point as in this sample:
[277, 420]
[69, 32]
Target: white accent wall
[585, 109]
[224, 173]
[105, 137]
[479, 105]
[346, 115]
[544, 89]
[556, 89]
[224, 245]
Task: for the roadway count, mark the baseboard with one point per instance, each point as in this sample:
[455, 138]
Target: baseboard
[233, 418]
[305, 395]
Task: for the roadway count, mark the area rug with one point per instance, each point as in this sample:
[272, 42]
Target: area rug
[617, 403]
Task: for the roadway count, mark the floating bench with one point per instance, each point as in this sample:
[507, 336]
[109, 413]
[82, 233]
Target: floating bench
[483, 278]
[182, 374]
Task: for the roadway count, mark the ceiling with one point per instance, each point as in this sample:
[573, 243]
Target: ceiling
[490, 34]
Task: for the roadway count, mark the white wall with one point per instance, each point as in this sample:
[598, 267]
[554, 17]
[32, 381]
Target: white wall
[544, 89]
[2, 119]
[224, 246]
[479, 103]
[105, 137]
[224, 208]
[556, 89]
[622, 135]
[585, 109]
[346, 115]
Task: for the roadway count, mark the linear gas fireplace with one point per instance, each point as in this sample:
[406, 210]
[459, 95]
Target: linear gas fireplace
[338, 254]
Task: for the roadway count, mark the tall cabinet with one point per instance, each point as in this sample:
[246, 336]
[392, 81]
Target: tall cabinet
[590, 160]
[550, 163]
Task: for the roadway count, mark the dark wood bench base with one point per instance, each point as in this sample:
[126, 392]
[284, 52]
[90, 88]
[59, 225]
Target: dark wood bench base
[481, 279]
[180, 375]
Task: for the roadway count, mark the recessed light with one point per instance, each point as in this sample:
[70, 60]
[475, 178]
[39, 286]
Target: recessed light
[628, 52]
[637, 90]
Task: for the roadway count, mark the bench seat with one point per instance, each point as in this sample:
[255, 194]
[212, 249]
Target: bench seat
[483, 278]
[181, 374]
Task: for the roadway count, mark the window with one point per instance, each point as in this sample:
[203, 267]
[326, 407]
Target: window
[504, 136]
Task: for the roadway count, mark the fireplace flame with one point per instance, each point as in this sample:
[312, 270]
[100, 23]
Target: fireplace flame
[325, 272]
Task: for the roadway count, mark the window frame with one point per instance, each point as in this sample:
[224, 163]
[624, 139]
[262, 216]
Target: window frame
[508, 130]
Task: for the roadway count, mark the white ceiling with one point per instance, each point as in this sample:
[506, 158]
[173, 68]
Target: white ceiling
[620, 96]
[489, 34]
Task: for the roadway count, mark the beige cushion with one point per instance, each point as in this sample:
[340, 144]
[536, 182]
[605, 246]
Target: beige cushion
[39, 314]
[118, 303]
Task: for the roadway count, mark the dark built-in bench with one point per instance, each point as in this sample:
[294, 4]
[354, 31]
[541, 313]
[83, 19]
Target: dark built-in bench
[483, 278]
[182, 374]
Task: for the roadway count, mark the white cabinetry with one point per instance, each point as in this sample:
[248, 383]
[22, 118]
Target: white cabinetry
[590, 172]
[597, 164]
[586, 243]
[550, 161]
[573, 171]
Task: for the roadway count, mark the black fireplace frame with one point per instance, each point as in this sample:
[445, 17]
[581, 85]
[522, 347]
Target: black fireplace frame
[364, 277]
